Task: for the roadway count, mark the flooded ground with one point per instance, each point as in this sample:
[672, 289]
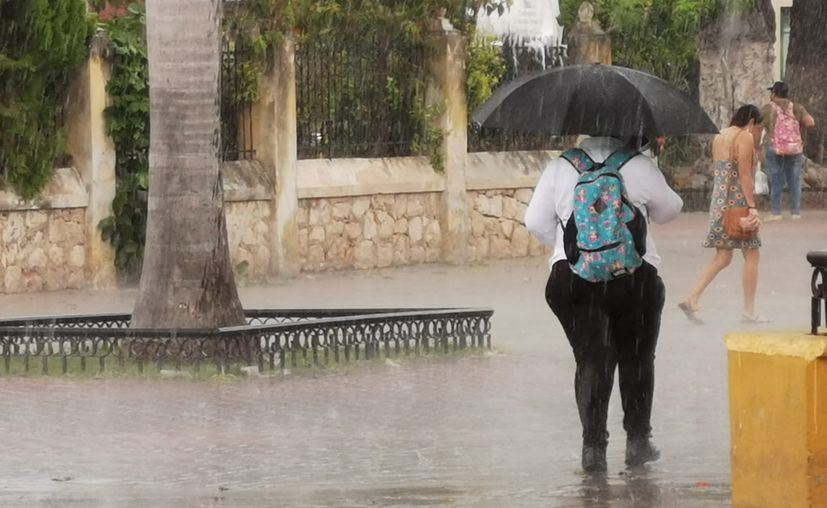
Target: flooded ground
[493, 431]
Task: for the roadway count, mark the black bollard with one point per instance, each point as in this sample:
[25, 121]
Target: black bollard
[819, 286]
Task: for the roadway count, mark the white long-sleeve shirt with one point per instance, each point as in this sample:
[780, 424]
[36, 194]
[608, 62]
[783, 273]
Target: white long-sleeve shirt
[553, 199]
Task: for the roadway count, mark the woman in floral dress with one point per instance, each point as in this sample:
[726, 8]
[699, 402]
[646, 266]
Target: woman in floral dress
[733, 154]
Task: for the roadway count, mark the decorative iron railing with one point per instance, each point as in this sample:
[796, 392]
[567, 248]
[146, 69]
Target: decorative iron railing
[271, 340]
[359, 96]
[237, 84]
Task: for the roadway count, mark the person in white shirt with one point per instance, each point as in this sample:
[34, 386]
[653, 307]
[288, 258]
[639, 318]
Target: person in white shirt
[612, 324]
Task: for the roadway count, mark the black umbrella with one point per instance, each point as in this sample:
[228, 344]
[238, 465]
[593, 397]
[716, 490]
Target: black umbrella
[594, 99]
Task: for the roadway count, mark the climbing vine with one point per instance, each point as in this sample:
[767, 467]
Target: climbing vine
[128, 124]
[41, 44]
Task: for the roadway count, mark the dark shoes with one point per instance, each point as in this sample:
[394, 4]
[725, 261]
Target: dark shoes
[640, 450]
[594, 459]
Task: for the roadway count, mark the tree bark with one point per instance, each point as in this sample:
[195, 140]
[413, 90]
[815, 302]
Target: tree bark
[807, 69]
[187, 280]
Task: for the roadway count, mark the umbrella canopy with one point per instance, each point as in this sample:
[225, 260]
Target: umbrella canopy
[594, 99]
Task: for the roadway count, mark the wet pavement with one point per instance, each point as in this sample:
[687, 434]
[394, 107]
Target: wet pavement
[499, 430]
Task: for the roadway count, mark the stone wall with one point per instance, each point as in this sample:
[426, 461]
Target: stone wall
[42, 250]
[369, 231]
[248, 235]
[497, 225]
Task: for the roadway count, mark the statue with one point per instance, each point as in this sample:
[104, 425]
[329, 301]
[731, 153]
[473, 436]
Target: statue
[587, 42]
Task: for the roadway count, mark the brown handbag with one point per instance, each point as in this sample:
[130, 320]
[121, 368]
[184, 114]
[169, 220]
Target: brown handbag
[734, 214]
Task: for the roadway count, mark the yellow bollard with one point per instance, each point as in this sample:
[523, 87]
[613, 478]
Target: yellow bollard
[778, 419]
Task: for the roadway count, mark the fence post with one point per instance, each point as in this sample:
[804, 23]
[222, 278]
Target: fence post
[274, 124]
[446, 91]
[94, 157]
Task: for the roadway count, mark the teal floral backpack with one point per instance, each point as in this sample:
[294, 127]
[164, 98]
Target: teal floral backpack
[605, 236]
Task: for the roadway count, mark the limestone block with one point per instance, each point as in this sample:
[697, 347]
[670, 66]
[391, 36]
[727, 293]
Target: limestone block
[482, 204]
[302, 214]
[496, 206]
[384, 255]
[432, 205]
[36, 219]
[477, 223]
[520, 217]
[483, 247]
[415, 229]
[383, 202]
[13, 279]
[320, 214]
[315, 256]
[249, 236]
[336, 227]
[341, 210]
[303, 241]
[76, 279]
[370, 229]
[492, 226]
[360, 206]
[524, 195]
[14, 229]
[400, 206]
[400, 226]
[36, 259]
[56, 279]
[317, 235]
[400, 250]
[415, 208]
[32, 283]
[500, 248]
[353, 230]
[433, 234]
[510, 207]
[339, 255]
[261, 229]
[75, 232]
[262, 259]
[519, 241]
[386, 224]
[418, 254]
[77, 256]
[364, 256]
[507, 227]
[432, 254]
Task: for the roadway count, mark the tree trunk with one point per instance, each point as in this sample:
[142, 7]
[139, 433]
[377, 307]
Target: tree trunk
[807, 69]
[187, 280]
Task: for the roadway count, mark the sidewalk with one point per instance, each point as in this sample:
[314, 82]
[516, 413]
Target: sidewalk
[496, 431]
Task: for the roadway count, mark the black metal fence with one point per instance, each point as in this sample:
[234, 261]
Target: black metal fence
[271, 340]
[238, 76]
[359, 96]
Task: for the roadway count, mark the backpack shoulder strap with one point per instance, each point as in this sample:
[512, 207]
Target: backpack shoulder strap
[579, 159]
[620, 157]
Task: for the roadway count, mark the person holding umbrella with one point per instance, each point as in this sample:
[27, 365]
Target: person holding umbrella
[612, 323]
[591, 206]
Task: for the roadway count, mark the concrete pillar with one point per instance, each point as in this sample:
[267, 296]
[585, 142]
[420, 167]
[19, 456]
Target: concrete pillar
[446, 91]
[274, 129]
[778, 414]
[94, 156]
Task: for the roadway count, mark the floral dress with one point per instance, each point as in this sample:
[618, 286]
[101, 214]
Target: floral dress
[726, 174]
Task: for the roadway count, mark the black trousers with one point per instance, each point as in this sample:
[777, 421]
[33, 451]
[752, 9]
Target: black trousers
[610, 325]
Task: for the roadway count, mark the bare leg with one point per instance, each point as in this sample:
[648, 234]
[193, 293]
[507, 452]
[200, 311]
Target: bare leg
[751, 257]
[720, 261]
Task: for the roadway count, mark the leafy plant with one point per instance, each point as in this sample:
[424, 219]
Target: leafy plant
[128, 125]
[41, 43]
[484, 70]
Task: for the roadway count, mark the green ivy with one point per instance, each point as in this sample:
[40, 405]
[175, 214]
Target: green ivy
[128, 125]
[41, 43]
[484, 70]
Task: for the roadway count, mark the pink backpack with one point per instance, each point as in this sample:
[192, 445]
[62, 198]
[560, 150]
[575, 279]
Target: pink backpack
[786, 138]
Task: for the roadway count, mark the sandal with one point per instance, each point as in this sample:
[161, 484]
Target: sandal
[754, 319]
[691, 313]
